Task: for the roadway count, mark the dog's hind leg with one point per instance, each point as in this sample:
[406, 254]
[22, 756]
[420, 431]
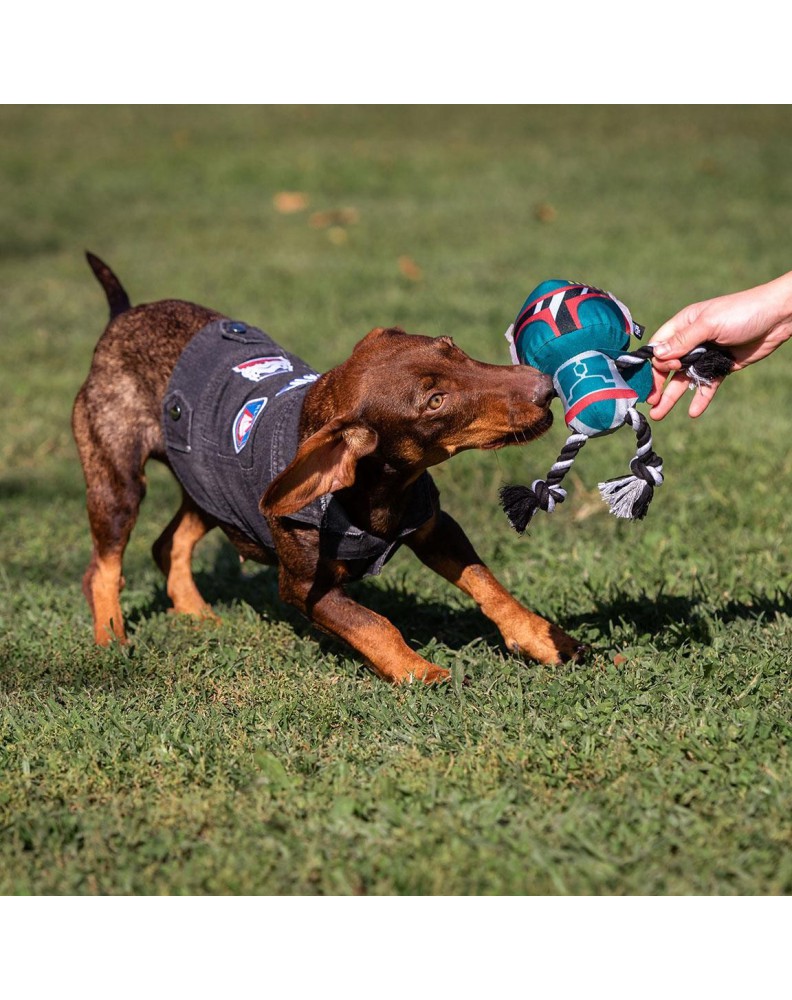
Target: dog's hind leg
[173, 552]
[114, 494]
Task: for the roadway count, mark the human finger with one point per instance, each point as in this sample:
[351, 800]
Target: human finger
[664, 367]
[678, 335]
[658, 381]
[702, 398]
[671, 395]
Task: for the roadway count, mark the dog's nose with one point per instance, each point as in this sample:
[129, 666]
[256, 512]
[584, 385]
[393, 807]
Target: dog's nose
[544, 391]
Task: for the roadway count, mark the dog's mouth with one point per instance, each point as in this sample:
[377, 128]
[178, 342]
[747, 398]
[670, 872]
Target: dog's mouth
[523, 436]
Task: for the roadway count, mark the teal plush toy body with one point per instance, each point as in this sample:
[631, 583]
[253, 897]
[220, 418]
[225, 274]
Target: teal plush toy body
[580, 335]
[577, 334]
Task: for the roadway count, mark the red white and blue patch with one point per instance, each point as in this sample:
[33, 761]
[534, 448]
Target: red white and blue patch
[244, 421]
[258, 369]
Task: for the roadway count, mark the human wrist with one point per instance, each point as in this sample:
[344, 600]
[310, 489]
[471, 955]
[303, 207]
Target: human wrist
[779, 297]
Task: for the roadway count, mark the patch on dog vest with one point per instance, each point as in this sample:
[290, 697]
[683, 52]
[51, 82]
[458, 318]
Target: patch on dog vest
[296, 383]
[257, 369]
[244, 420]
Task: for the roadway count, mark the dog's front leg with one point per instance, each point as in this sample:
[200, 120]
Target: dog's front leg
[444, 547]
[314, 586]
[371, 635]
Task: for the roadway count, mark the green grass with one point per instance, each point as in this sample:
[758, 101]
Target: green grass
[257, 757]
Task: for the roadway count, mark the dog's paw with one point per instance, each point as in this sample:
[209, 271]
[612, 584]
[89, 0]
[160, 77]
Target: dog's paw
[573, 651]
[427, 674]
[434, 675]
[200, 615]
[547, 644]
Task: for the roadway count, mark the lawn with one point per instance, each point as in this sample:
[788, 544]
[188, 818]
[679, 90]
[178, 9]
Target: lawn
[258, 757]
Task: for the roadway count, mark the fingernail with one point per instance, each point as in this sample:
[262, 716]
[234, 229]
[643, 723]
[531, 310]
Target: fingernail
[661, 350]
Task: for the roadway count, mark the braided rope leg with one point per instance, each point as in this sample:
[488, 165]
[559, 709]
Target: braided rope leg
[521, 502]
[629, 496]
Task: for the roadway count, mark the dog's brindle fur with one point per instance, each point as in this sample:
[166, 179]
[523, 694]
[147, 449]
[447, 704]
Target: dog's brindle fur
[400, 404]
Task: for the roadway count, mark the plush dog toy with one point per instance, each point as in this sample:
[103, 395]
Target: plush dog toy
[581, 335]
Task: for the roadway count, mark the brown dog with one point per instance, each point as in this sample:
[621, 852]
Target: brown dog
[350, 484]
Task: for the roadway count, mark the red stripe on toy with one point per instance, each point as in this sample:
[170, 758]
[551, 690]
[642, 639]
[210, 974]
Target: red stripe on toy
[572, 303]
[526, 316]
[596, 397]
[545, 316]
[549, 295]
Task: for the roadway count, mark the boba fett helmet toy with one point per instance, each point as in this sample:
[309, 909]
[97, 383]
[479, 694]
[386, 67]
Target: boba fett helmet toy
[580, 336]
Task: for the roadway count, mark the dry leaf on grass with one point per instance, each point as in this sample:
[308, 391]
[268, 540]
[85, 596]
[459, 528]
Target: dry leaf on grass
[588, 499]
[410, 269]
[289, 202]
[334, 217]
[545, 212]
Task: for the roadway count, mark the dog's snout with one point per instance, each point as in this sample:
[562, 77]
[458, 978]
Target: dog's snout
[532, 386]
[544, 390]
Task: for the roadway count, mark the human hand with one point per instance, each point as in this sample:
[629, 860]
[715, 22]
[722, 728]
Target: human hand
[750, 324]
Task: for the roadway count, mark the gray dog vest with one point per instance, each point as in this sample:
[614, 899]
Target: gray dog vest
[231, 422]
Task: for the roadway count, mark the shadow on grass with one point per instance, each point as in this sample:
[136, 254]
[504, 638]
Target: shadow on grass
[419, 620]
[37, 488]
[672, 621]
[667, 622]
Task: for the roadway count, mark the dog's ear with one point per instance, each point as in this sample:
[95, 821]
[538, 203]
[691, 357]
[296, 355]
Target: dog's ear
[375, 334]
[325, 462]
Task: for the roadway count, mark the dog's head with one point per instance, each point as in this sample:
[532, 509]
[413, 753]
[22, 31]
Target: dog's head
[407, 402]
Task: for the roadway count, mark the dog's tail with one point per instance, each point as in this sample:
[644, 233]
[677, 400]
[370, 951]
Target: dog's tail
[117, 298]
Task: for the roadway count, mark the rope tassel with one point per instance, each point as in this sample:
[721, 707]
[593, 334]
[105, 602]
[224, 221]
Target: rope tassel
[629, 496]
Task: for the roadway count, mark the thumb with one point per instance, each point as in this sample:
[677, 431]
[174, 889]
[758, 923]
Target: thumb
[677, 336]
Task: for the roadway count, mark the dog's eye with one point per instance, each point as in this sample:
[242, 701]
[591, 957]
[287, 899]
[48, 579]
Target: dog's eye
[436, 401]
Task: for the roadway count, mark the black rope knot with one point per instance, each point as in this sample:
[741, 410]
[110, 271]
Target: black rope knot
[643, 468]
[706, 363]
[521, 502]
[546, 494]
